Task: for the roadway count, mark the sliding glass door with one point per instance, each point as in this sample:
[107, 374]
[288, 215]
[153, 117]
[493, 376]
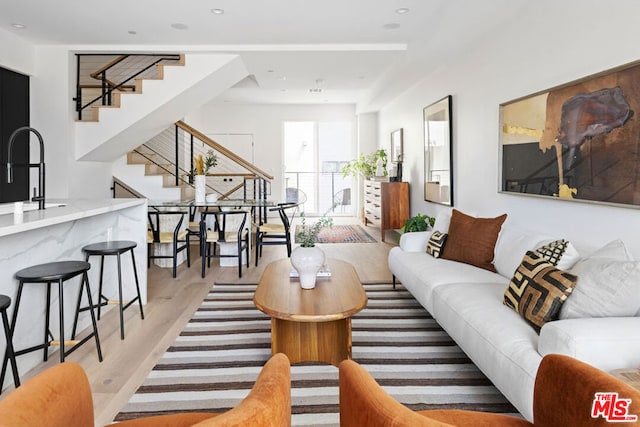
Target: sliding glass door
[314, 153]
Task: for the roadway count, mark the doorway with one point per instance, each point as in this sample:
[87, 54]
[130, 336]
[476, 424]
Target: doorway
[314, 153]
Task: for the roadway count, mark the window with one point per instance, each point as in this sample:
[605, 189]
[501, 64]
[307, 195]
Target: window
[314, 153]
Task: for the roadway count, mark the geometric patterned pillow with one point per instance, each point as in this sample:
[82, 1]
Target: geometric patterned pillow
[553, 251]
[538, 289]
[560, 253]
[436, 244]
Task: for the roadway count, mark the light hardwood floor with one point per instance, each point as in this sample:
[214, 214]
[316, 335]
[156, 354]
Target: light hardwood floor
[171, 303]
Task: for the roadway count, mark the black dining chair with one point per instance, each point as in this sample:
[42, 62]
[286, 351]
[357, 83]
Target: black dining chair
[218, 227]
[166, 227]
[277, 233]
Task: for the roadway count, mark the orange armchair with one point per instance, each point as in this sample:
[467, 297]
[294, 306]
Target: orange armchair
[563, 396]
[61, 397]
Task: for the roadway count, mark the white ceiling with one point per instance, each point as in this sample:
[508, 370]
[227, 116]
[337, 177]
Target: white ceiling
[297, 51]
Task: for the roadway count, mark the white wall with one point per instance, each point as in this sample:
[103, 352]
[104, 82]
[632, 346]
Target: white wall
[549, 44]
[265, 123]
[53, 114]
[52, 79]
[16, 54]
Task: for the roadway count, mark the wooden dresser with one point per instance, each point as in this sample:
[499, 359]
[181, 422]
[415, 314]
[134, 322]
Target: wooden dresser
[386, 204]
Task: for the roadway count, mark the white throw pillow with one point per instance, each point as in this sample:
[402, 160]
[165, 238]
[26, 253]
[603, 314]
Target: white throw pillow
[606, 288]
[442, 222]
[615, 249]
[513, 244]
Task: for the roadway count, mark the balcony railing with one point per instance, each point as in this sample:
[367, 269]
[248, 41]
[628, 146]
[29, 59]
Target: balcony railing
[327, 192]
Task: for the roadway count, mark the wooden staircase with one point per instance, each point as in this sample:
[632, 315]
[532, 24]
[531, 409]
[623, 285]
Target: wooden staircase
[155, 166]
[116, 95]
[151, 168]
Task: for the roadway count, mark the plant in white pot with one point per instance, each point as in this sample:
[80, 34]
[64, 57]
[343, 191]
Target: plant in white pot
[373, 164]
[307, 258]
[202, 166]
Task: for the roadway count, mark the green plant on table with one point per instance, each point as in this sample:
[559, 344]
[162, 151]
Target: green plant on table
[418, 223]
[365, 166]
[308, 234]
[204, 163]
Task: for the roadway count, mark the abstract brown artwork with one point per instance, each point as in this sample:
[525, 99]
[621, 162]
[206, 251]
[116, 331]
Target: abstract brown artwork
[580, 141]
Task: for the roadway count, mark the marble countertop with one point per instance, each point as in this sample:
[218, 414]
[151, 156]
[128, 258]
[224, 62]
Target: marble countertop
[58, 211]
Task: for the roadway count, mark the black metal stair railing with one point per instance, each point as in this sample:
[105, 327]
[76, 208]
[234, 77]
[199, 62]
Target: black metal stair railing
[117, 74]
[173, 150]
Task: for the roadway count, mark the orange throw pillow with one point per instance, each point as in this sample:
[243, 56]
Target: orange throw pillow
[472, 240]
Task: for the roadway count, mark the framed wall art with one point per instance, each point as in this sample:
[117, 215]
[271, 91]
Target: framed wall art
[579, 141]
[438, 159]
[396, 145]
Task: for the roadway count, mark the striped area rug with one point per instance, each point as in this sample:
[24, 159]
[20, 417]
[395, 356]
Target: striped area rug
[213, 363]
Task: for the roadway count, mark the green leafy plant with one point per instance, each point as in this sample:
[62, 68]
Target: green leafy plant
[204, 163]
[418, 223]
[365, 166]
[308, 234]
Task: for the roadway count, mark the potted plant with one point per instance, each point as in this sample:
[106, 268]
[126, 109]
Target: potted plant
[418, 223]
[366, 166]
[308, 259]
[202, 166]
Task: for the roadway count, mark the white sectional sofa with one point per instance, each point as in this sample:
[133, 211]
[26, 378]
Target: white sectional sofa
[467, 302]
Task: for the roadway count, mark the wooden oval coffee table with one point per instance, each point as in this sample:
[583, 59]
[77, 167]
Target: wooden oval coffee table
[311, 325]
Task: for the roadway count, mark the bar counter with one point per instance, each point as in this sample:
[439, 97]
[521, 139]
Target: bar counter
[58, 234]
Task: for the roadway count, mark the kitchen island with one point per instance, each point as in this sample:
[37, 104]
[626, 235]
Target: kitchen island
[58, 233]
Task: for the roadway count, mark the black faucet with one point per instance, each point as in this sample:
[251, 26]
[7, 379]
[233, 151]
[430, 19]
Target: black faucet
[40, 197]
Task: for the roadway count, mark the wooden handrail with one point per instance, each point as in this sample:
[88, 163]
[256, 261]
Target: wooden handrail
[97, 73]
[230, 192]
[97, 86]
[222, 150]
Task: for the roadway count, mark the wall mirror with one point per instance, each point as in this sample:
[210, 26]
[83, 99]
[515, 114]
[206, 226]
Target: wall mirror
[396, 145]
[438, 159]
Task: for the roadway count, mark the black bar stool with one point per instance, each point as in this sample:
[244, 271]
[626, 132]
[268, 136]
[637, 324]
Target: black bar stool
[49, 273]
[5, 302]
[115, 247]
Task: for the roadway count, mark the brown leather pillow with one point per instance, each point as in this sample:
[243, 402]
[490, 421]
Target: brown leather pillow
[472, 240]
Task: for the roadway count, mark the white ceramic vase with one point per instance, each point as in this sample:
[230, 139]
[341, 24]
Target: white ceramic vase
[201, 190]
[307, 262]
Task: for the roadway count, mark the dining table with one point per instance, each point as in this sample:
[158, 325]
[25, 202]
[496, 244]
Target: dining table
[257, 207]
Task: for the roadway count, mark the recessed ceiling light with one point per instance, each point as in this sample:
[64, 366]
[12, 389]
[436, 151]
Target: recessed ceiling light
[19, 26]
[392, 26]
[402, 10]
[179, 26]
[217, 11]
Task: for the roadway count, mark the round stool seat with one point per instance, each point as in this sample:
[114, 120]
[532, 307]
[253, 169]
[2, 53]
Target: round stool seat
[112, 247]
[5, 302]
[53, 271]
